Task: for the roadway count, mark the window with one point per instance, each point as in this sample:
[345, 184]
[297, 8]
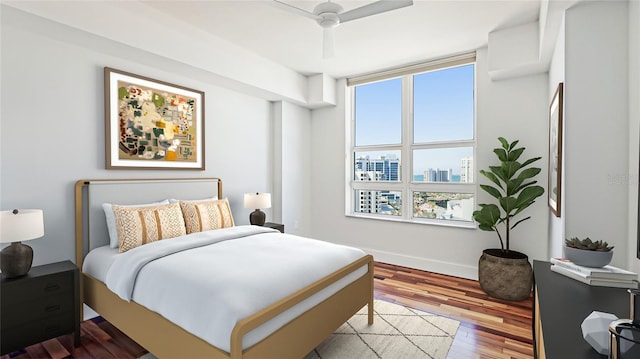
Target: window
[412, 144]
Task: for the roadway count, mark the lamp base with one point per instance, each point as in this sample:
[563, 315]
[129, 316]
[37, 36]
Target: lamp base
[16, 260]
[257, 217]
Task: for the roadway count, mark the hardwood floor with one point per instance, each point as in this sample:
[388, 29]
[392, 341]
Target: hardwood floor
[490, 328]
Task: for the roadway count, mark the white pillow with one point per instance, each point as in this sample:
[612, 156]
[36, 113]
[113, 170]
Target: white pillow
[173, 200]
[111, 219]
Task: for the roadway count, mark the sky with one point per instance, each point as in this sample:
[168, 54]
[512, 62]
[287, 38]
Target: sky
[443, 111]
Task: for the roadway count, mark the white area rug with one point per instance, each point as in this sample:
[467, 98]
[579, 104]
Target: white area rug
[397, 332]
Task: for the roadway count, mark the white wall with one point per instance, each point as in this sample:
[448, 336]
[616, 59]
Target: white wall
[596, 124]
[515, 109]
[292, 166]
[556, 76]
[634, 132]
[52, 128]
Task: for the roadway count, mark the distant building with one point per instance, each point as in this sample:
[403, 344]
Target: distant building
[385, 168]
[466, 170]
[368, 201]
[438, 175]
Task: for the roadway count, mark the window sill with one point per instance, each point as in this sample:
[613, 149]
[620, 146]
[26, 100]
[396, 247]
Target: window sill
[433, 222]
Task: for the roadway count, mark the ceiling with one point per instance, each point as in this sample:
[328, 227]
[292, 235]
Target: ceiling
[426, 30]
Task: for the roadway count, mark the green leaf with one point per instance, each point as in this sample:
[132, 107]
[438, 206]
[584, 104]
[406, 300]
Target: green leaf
[510, 168]
[492, 178]
[528, 195]
[499, 172]
[513, 144]
[485, 227]
[530, 161]
[501, 154]
[515, 154]
[524, 185]
[504, 143]
[491, 190]
[487, 217]
[529, 173]
[513, 186]
[508, 204]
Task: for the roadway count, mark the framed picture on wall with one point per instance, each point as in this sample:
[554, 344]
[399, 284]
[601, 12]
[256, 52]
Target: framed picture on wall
[555, 150]
[152, 124]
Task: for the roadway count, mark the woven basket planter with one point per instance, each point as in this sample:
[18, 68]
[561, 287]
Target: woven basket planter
[505, 276]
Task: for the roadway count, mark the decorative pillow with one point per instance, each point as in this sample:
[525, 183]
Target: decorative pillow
[111, 218]
[208, 215]
[141, 225]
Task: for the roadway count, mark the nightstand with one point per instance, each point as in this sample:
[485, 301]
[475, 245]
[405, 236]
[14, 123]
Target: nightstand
[41, 305]
[277, 226]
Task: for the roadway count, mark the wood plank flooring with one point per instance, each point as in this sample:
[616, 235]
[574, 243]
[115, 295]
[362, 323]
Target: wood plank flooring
[490, 328]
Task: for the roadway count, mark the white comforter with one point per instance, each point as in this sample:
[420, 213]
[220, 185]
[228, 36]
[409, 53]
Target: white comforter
[206, 282]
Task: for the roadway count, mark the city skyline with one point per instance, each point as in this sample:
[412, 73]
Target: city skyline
[362, 161]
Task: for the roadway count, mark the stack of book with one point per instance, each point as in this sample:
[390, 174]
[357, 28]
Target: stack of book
[607, 276]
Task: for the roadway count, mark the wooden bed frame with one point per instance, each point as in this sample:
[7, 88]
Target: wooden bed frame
[165, 339]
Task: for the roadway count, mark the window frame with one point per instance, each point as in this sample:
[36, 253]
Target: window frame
[406, 184]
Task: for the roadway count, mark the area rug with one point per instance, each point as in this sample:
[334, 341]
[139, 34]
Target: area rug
[397, 332]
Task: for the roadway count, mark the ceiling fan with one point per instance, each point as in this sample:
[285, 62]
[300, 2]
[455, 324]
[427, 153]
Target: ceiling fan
[329, 15]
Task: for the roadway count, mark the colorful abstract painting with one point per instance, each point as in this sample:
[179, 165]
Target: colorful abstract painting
[152, 124]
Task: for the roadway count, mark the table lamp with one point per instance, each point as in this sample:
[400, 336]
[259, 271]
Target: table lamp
[257, 201]
[17, 226]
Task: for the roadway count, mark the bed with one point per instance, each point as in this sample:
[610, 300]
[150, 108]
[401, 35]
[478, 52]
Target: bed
[289, 327]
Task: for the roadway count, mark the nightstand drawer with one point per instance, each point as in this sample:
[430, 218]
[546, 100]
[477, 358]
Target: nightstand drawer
[28, 310]
[14, 292]
[40, 305]
[20, 336]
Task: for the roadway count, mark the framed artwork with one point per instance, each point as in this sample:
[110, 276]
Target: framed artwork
[152, 124]
[555, 150]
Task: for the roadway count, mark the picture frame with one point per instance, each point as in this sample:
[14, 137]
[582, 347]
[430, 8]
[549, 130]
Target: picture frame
[556, 109]
[152, 124]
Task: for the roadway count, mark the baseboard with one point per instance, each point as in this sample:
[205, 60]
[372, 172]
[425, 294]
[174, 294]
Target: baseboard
[427, 264]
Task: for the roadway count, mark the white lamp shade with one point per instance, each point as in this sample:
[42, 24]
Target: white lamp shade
[257, 200]
[25, 225]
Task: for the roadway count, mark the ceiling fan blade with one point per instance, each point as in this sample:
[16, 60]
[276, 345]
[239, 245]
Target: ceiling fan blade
[327, 42]
[373, 9]
[292, 9]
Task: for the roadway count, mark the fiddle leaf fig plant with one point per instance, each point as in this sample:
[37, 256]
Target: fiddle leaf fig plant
[514, 191]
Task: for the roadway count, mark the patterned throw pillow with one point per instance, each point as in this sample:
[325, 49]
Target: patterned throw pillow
[141, 225]
[208, 215]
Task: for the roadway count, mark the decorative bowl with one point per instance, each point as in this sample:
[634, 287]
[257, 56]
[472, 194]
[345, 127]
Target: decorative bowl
[587, 258]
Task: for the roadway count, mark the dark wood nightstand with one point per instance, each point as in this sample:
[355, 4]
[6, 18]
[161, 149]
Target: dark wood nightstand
[41, 305]
[277, 226]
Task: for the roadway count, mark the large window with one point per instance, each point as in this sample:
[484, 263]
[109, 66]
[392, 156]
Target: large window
[412, 144]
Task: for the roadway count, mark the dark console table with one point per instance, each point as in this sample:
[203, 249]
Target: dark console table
[560, 306]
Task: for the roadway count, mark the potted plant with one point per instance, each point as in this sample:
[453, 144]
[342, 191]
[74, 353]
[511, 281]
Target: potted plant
[504, 273]
[585, 252]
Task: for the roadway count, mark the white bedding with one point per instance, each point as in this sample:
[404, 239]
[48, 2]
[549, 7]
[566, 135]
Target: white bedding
[216, 278]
